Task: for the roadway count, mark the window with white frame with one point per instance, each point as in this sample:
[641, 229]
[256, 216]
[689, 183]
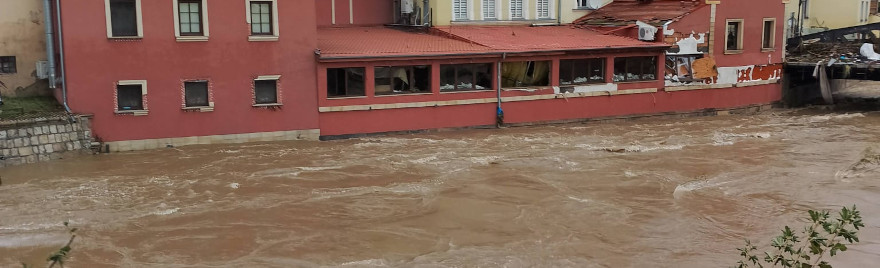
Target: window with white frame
[516, 9]
[123, 18]
[266, 90]
[262, 17]
[543, 9]
[131, 96]
[459, 9]
[769, 37]
[489, 9]
[191, 20]
[586, 4]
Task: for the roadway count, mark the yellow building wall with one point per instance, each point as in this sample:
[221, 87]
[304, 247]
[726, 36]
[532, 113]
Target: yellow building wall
[568, 12]
[828, 14]
[22, 35]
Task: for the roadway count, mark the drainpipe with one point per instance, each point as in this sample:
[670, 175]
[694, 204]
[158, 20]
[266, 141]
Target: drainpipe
[499, 113]
[425, 13]
[558, 12]
[50, 42]
[61, 51]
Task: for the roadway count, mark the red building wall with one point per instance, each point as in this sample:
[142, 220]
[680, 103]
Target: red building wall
[752, 12]
[354, 12]
[228, 60]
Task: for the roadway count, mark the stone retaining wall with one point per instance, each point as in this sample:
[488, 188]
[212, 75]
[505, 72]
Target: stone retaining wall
[43, 139]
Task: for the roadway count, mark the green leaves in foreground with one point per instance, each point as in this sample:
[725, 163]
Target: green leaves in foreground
[58, 257]
[807, 249]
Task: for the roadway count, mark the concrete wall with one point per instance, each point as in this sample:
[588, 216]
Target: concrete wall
[22, 35]
[42, 139]
[228, 60]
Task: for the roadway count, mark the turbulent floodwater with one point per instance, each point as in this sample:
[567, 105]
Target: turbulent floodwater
[649, 193]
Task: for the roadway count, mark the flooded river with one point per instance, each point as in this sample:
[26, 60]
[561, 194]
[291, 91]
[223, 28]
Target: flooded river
[647, 193]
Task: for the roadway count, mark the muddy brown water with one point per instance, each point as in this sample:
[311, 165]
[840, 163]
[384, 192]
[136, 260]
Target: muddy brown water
[647, 193]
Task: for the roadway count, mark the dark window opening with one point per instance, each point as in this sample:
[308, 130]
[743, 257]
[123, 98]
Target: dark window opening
[466, 77]
[261, 18]
[734, 35]
[266, 91]
[525, 74]
[7, 65]
[768, 34]
[632, 69]
[123, 18]
[581, 71]
[196, 93]
[129, 97]
[680, 68]
[190, 16]
[345, 82]
[403, 80]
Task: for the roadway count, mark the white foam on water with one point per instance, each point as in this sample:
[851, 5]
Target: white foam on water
[32, 240]
[166, 211]
[234, 185]
[696, 185]
[368, 263]
[824, 118]
[424, 160]
[483, 160]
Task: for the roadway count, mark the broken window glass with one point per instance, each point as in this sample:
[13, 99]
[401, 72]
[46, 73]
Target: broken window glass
[465, 77]
[123, 18]
[129, 97]
[581, 71]
[345, 82]
[680, 68]
[630, 69]
[525, 74]
[403, 80]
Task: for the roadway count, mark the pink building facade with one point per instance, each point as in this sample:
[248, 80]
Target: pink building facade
[178, 72]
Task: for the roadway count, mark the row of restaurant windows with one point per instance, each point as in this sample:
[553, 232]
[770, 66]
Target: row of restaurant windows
[196, 94]
[392, 80]
[191, 18]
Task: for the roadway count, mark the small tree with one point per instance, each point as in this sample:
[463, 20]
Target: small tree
[58, 257]
[822, 238]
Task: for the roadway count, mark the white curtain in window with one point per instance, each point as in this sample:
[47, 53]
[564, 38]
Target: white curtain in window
[543, 9]
[516, 9]
[489, 9]
[459, 9]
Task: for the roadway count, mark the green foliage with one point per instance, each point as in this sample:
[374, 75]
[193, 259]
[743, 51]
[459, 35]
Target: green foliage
[807, 248]
[58, 257]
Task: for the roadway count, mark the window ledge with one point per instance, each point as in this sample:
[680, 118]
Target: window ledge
[466, 91]
[405, 94]
[768, 49]
[732, 52]
[584, 9]
[262, 38]
[133, 112]
[267, 105]
[346, 97]
[192, 38]
[125, 37]
[199, 108]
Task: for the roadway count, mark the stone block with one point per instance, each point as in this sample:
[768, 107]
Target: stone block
[3, 135]
[27, 142]
[25, 151]
[22, 132]
[53, 138]
[45, 129]
[11, 134]
[58, 147]
[87, 133]
[30, 159]
[38, 131]
[34, 140]
[44, 138]
[63, 137]
[48, 148]
[19, 142]
[77, 146]
[43, 158]
[72, 136]
[53, 129]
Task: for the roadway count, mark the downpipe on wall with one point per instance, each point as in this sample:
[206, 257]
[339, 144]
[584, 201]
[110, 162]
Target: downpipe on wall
[61, 51]
[499, 113]
[50, 42]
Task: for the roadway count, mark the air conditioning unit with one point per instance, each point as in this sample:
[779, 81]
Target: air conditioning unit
[43, 69]
[593, 4]
[646, 31]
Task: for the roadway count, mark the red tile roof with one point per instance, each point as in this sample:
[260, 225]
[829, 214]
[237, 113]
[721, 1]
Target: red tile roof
[546, 38]
[377, 42]
[354, 42]
[654, 12]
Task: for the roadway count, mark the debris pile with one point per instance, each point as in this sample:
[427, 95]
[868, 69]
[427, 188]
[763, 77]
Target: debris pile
[844, 52]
